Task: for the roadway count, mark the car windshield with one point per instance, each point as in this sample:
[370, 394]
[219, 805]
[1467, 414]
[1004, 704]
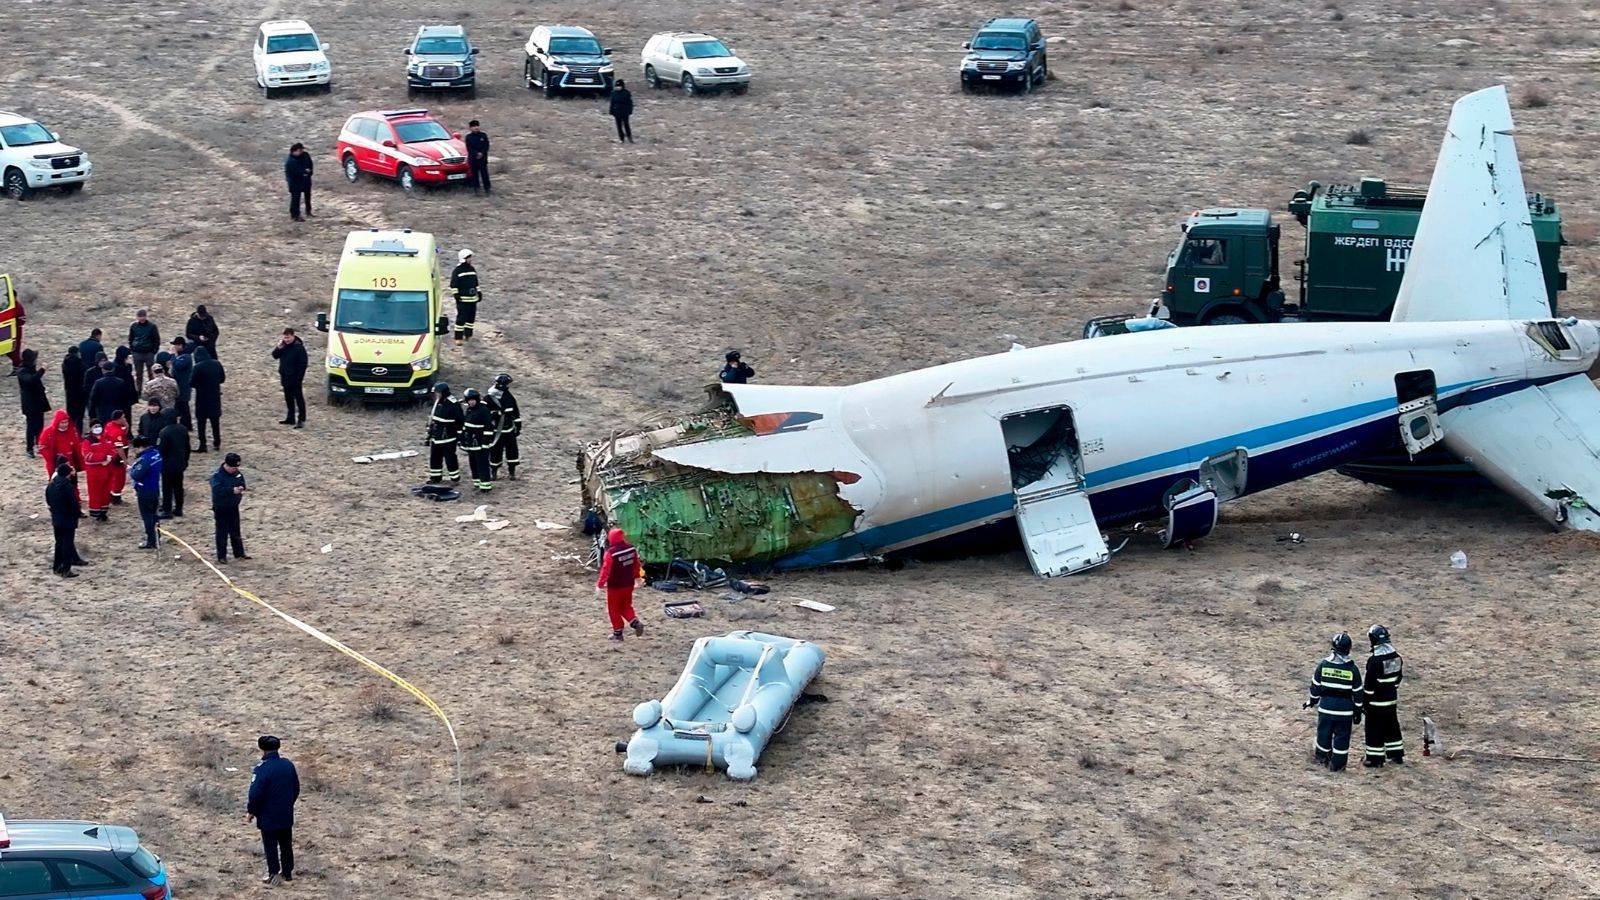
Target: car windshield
[999, 40]
[25, 135]
[441, 46]
[290, 43]
[705, 50]
[575, 46]
[417, 132]
[382, 312]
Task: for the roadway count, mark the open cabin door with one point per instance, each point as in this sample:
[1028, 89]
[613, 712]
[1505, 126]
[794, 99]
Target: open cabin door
[1417, 395]
[1058, 528]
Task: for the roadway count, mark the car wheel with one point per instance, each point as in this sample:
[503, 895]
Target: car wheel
[967, 87]
[327, 88]
[411, 92]
[1227, 319]
[689, 87]
[550, 88]
[1027, 83]
[527, 74]
[472, 92]
[352, 172]
[408, 182]
[16, 185]
[73, 188]
[266, 92]
[651, 78]
[741, 89]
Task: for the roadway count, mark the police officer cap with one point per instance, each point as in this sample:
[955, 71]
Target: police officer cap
[1378, 634]
[441, 388]
[1342, 642]
[502, 380]
[471, 394]
[268, 743]
[232, 459]
[732, 356]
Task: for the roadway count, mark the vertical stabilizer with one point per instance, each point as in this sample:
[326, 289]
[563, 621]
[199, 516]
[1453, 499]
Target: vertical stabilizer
[1475, 257]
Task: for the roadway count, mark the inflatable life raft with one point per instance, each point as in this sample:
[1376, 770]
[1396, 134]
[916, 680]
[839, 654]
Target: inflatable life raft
[734, 694]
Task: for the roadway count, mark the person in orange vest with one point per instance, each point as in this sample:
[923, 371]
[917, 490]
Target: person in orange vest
[99, 458]
[620, 570]
[116, 434]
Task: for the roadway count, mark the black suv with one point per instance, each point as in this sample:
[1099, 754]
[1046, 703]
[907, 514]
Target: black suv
[1005, 52]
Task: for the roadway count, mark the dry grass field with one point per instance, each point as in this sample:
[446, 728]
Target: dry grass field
[1132, 733]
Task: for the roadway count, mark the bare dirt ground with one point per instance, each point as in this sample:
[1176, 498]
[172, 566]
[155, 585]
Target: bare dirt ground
[1131, 733]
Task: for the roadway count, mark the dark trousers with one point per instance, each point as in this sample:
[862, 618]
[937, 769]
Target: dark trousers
[466, 315]
[1383, 735]
[479, 176]
[294, 401]
[183, 413]
[505, 451]
[76, 408]
[227, 518]
[442, 460]
[1333, 740]
[172, 492]
[147, 512]
[278, 846]
[216, 431]
[142, 364]
[66, 548]
[624, 130]
[34, 428]
[294, 200]
[478, 461]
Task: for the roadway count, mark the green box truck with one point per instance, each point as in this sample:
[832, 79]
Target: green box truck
[1225, 270]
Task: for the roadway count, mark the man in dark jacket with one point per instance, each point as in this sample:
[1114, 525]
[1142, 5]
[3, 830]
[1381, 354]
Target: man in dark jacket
[509, 419]
[73, 369]
[201, 331]
[478, 157]
[206, 380]
[291, 356]
[297, 171]
[90, 348]
[227, 489]
[105, 393]
[180, 367]
[153, 419]
[144, 339]
[122, 367]
[1336, 693]
[735, 370]
[464, 285]
[173, 442]
[274, 788]
[30, 390]
[444, 428]
[621, 109]
[62, 497]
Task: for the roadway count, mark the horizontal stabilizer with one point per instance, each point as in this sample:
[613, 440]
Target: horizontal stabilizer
[1474, 257]
[1540, 445]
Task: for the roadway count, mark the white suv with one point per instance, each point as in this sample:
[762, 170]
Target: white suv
[288, 54]
[693, 61]
[32, 157]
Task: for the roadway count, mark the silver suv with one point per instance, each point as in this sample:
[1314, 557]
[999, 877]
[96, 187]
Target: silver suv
[441, 59]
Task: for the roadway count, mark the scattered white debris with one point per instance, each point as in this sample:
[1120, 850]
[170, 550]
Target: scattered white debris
[482, 542]
[327, 548]
[481, 514]
[542, 525]
[565, 557]
[34, 516]
[814, 605]
[230, 768]
[1458, 42]
[1458, 560]
[383, 455]
[497, 524]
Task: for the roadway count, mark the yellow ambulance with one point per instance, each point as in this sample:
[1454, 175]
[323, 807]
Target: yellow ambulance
[385, 325]
[11, 319]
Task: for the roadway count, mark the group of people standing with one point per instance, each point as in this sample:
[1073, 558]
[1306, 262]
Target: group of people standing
[485, 425]
[93, 433]
[1343, 698]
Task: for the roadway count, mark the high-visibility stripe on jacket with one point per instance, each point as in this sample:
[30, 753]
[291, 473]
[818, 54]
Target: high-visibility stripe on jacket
[1383, 679]
[444, 423]
[1336, 686]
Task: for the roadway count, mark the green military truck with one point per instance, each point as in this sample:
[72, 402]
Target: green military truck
[1225, 271]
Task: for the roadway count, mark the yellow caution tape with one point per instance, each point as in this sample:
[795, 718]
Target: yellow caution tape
[336, 644]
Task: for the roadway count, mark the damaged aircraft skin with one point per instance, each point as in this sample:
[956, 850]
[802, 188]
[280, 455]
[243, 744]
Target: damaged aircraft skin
[1072, 439]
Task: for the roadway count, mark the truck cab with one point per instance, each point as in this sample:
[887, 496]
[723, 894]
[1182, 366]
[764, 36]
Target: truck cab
[1225, 269]
[385, 324]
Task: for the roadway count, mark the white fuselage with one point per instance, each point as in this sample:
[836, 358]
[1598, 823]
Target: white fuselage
[1148, 409]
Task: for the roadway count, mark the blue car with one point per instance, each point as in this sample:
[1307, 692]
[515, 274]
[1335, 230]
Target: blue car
[54, 859]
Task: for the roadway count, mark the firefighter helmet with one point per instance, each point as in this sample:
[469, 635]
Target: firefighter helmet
[1378, 634]
[442, 388]
[502, 380]
[472, 394]
[1342, 643]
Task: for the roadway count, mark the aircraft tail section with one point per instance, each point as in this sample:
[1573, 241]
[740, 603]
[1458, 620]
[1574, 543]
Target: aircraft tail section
[1474, 256]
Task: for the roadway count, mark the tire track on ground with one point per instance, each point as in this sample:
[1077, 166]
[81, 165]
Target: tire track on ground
[352, 210]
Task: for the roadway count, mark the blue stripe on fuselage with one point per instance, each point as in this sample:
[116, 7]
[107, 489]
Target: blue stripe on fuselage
[1140, 499]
